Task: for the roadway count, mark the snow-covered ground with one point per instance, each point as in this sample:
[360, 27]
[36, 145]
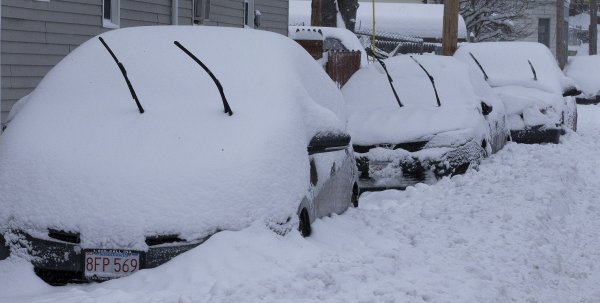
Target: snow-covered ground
[524, 228]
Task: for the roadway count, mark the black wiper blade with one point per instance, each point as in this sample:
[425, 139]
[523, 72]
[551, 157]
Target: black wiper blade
[532, 70]
[217, 83]
[124, 72]
[485, 76]
[390, 80]
[437, 97]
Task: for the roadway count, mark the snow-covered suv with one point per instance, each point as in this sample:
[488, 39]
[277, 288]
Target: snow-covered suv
[537, 96]
[415, 119]
[144, 142]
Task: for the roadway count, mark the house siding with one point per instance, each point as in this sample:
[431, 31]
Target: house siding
[36, 35]
[274, 15]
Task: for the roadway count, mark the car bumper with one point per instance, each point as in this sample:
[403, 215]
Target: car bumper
[59, 262]
[411, 170]
[536, 135]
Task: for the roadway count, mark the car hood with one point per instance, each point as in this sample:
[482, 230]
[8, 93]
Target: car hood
[79, 157]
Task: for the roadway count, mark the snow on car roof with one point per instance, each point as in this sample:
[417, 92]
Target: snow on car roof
[348, 38]
[80, 157]
[507, 63]
[375, 116]
[417, 20]
[584, 71]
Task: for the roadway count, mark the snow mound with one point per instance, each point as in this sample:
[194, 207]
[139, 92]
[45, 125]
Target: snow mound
[584, 71]
[374, 116]
[78, 156]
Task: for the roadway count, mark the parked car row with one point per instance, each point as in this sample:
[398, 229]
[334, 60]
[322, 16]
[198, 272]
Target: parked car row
[144, 142]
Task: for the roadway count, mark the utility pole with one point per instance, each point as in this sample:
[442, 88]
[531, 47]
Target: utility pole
[450, 34]
[593, 27]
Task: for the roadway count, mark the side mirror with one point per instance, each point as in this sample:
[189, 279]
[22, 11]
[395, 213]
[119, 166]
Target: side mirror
[486, 109]
[571, 92]
[328, 142]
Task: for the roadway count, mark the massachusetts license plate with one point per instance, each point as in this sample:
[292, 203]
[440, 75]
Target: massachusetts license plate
[103, 264]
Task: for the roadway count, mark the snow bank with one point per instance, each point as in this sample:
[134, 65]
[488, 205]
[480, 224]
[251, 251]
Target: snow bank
[78, 156]
[346, 37]
[424, 21]
[524, 228]
[375, 116]
[584, 71]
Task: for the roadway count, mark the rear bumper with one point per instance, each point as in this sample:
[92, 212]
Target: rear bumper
[409, 171]
[536, 135]
[59, 262]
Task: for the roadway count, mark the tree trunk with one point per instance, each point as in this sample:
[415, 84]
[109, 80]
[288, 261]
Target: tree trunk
[324, 13]
[315, 16]
[348, 10]
[593, 27]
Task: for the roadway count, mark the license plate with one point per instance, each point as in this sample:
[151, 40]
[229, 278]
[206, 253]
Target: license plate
[104, 264]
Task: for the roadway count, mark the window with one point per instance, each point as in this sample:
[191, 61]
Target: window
[544, 31]
[110, 13]
[201, 11]
[249, 14]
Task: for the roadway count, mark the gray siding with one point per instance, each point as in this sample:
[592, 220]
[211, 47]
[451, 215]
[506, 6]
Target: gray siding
[36, 35]
[274, 15]
[226, 13]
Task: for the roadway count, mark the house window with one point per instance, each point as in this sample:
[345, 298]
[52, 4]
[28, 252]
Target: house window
[201, 11]
[110, 13]
[544, 31]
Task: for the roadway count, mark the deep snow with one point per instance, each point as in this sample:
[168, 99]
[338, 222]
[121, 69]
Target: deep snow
[524, 228]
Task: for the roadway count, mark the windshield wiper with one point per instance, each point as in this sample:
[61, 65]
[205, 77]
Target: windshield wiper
[532, 70]
[217, 83]
[485, 76]
[390, 80]
[124, 72]
[437, 97]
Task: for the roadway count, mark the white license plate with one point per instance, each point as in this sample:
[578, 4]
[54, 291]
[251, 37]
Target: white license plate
[103, 264]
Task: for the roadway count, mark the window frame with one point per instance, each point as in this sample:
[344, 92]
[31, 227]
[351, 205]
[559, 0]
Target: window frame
[115, 14]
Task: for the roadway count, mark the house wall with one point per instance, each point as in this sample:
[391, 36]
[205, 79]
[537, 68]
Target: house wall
[274, 15]
[542, 9]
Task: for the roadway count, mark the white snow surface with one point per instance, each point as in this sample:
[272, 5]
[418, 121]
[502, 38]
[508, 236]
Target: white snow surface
[524, 228]
[374, 116]
[584, 71]
[78, 156]
[346, 37]
[416, 20]
[512, 79]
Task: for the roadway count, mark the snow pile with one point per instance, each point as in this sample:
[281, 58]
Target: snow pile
[424, 21]
[78, 156]
[524, 75]
[584, 71]
[374, 116]
[346, 37]
[521, 229]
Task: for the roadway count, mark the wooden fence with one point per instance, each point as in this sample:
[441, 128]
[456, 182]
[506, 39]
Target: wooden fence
[341, 65]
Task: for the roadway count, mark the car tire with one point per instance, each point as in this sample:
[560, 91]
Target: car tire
[304, 223]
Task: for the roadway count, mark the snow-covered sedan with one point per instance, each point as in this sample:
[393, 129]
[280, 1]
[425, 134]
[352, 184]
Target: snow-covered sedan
[417, 118]
[537, 96]
[144, 142]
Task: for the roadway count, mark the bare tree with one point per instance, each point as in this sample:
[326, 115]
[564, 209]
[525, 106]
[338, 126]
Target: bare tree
[494, 20]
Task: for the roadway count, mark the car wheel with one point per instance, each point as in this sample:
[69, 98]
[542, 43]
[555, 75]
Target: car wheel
[355, 195]
[304, 224]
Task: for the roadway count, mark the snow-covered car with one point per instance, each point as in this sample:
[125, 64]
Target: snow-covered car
[144, 142]
[537, 96]
[584, 71]
[415, 119]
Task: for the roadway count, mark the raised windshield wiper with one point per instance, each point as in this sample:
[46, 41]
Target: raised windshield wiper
[217, 83]
[485, 76]
[437, 97]
[124, 72]
[390, 80]
[532, 70]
